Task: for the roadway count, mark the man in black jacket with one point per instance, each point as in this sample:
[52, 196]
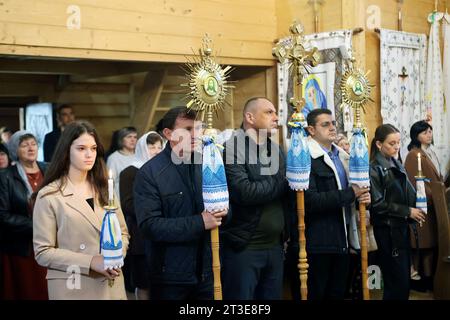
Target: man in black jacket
[253, 238]
[328, 204]
[64, 115]
[170, 214]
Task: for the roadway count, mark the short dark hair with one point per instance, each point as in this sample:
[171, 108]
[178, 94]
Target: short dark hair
[312, 116]
[153, 137]
[250, 102]
[416, 129]
[158, 127]
[171, 116]
[122, 133]
[63, 106]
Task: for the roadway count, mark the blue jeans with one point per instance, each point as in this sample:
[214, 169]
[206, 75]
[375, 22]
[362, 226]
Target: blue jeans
[252, 274]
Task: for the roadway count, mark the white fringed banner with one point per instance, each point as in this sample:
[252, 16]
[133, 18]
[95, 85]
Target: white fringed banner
[359, 159]
[298, 165]
[421, 197]
[215, 188]
[111, 241]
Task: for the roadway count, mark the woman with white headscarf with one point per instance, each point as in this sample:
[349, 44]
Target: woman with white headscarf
[23, 278]
[148, 146]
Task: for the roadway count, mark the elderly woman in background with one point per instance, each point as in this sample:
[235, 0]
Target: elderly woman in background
[148, 146]
[124, 155]
[22, 277]
[342, 142]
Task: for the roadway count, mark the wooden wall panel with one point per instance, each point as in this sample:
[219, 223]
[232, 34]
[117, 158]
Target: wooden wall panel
[243, 30]
[330, 17]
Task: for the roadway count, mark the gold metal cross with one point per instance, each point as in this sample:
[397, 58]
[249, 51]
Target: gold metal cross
[315, 4]
[296, 51]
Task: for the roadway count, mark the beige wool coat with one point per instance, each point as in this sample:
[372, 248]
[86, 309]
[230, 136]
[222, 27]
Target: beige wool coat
[66, 236]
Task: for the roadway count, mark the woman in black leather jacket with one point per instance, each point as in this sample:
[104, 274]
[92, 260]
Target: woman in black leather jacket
[393, 202]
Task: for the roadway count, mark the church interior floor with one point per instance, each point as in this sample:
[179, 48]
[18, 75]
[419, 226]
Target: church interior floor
[413, 295]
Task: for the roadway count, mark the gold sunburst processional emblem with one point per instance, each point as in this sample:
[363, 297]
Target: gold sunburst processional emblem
[356, 88]
[207, 82]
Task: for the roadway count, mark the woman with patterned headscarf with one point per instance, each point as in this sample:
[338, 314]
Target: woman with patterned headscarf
[23, 278]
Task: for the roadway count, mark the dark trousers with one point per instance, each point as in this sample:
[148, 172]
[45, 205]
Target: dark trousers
[252, 274]
[394, 260]
[354, 281]
[327, 276]
[202, 291]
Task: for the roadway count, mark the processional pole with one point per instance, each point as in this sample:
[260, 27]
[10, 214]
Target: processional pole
[297, 53]
[208, 89]
[356, 88]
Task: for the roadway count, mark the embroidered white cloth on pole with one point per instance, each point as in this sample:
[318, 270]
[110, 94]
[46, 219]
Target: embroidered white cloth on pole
[445, 161]
[298, 162]
[434, 88]
[215, 188]
[421, 196]
[359, 159]
[111, 241]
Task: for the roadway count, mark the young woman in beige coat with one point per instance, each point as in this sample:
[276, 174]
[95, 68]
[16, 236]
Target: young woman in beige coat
[68, 216]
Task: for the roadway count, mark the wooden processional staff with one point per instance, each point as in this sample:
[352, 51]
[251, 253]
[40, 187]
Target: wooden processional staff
[296, 51]
[356, 88]
[208, 89]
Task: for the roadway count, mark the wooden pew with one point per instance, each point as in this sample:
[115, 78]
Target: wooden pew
[442, 276]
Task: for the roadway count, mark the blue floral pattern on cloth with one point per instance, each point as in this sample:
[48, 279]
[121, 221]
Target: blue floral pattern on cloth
[111, 241]
[298, 165]
[215, 188]
[359, 159]
[421, 197]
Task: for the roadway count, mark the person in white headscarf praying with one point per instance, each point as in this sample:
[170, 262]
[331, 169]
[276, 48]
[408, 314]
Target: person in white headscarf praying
[148, 146]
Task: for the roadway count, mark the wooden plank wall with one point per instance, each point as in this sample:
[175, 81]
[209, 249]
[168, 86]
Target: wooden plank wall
[288, 10]
[150, 30]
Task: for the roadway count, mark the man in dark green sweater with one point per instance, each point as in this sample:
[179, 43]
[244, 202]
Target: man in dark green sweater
[252, 255]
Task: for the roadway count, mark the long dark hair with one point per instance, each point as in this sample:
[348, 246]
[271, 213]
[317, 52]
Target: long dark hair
[416, 129]
[59, 167]
[381, 134]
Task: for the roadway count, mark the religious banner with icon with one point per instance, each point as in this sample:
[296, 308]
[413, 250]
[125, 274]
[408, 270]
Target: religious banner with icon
[403, 68]
[207, 82]
[334, 47]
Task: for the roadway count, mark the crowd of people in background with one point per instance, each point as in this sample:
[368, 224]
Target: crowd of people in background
[51, 212]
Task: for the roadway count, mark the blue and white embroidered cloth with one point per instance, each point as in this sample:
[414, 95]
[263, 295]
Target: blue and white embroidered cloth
[359, 159]
[298, 165]
[421, 197]
[215, 188]
[111, 241]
